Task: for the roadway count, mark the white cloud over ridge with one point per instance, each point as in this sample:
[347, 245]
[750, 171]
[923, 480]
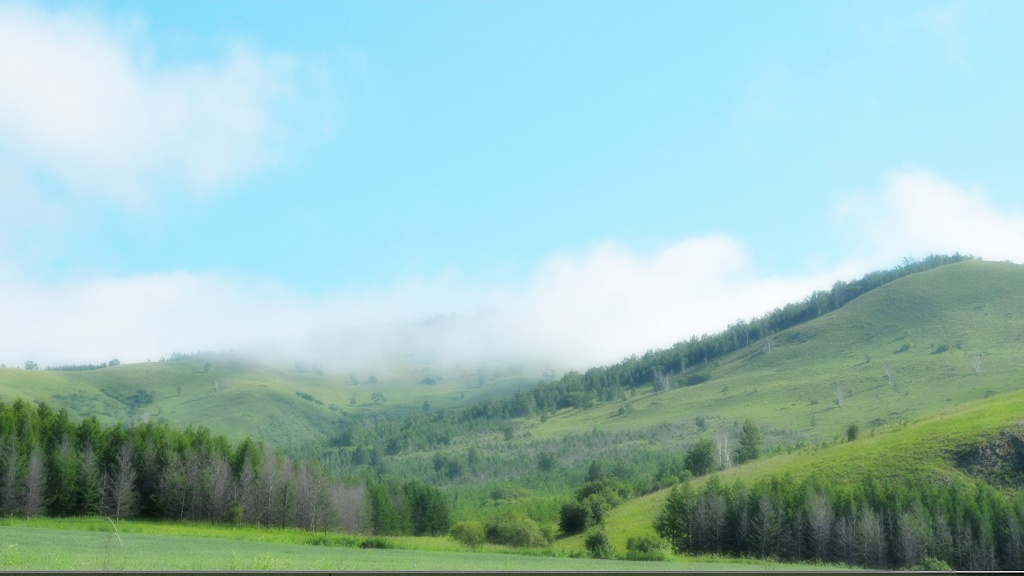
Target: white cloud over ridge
[77, 102]
[918, 213]
[581, 309]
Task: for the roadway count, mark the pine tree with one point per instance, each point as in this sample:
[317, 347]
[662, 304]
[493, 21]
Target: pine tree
[672, 522]
[749, 447]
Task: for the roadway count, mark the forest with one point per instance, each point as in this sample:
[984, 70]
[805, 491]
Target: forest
[53, 466]
[878, 524]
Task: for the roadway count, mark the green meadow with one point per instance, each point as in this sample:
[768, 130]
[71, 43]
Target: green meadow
[95, 544]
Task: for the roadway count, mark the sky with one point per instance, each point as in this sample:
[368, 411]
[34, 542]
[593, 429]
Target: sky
[575, 181]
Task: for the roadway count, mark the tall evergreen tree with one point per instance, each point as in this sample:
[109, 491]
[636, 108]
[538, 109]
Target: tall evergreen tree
[749, 445]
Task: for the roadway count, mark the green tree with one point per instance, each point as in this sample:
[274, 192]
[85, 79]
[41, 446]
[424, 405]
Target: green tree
[599, 545]
[428, 509]
[469, 532]
[574, 518]
[701, 458]
[545, 461]
[749, 447]
[672, 523]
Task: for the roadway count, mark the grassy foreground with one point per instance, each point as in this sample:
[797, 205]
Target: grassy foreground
[93, 544]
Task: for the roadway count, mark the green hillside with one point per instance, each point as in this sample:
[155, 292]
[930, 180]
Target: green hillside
[937, 450]
[238, 396]
[947, 336]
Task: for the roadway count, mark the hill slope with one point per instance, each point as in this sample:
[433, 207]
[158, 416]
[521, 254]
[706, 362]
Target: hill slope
[238, 396]
[976, 441]
[928, 341]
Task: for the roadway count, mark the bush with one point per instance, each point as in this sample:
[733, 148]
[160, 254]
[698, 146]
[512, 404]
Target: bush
[599, 545]
[469, 533]
[650, 548]
[574, 518]
[931, 564]
[613, 490]
[377, 542]
[701, 458]
[598, 505]
[516, 531]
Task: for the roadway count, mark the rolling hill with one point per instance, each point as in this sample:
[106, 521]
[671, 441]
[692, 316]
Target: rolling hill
[240, 396]
[921, 344]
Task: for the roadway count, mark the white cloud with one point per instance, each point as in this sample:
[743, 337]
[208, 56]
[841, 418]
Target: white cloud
[918, 213]
[595, 307]
[79, 103]
[610, 302]
[578, 309]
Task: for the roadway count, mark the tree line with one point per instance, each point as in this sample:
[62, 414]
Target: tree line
[52, 466]
[82, 367]
[874, 523]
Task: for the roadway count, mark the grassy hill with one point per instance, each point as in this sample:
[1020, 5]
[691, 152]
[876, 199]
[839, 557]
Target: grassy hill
[934, 450]
[238, 396]
[946, 336]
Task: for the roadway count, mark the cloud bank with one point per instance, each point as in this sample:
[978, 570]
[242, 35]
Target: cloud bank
[577, 309]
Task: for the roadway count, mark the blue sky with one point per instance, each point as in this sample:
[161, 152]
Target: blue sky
[596, 178]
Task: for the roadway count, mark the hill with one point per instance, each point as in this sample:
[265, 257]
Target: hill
[928, 341]
[977, 442]
[908, 349]
[238, 396]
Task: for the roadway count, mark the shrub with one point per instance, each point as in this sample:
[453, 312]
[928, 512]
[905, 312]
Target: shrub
[931, 564]
[599, 545]
[469, 533]
[701, 458]
[574, 518]
[597, 505]
[377, 542]
[612, 489]
[649, 548]
[517, 531]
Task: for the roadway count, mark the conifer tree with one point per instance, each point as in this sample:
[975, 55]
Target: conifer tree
[749, 446]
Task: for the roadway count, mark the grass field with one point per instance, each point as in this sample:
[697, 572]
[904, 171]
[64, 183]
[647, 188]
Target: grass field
[85, 544]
